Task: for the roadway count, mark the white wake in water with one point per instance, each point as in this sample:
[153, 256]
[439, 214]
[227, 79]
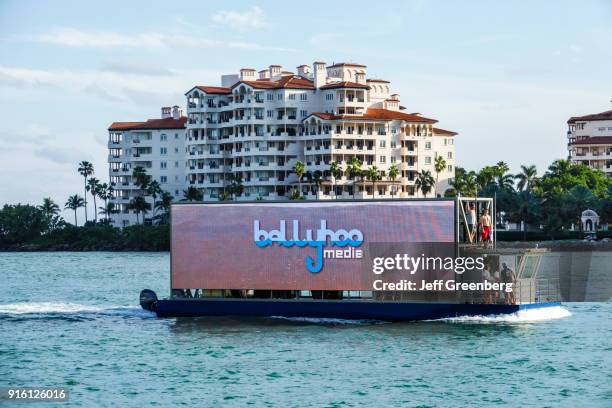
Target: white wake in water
[60, 308]
[522, 316]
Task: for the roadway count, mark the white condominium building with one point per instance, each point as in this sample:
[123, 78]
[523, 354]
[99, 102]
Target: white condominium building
[257, 125]
[590, 140]
[158, 146]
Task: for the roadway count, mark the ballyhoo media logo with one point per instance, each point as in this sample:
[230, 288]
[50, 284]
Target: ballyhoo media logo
[320, 241]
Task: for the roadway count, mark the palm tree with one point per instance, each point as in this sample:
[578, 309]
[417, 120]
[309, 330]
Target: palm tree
[140, 177]
[300, 170]
[74, 202]
[192, 194]
[505, 181]
[154, 190]
[107, 210]
[85, 169]
[164, 206]
[140, 205]
[425, 182]
[317, 177]
[527, 177]
[354, 170]
[93, 185]
[439, 166]
[336, 171]
[49, 208]
[393, 173]
[235, 186]
[374, 175]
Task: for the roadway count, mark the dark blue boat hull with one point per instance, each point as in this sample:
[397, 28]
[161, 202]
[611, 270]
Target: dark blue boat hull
[345, 309]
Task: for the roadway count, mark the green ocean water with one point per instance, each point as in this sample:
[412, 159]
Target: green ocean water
[73, 320]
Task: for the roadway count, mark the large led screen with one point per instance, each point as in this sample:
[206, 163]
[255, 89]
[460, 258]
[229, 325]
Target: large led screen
[305, 245]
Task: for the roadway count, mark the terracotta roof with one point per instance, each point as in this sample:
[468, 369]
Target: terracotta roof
[607, 115]
[345, 84]
[166, 123]
[594, 140]
[220, 90]
[377, 114]
[303, 65]
[247, 69]
[378, 80]
[288, 82]
[438, 131]
[392, 100]
[346, 64]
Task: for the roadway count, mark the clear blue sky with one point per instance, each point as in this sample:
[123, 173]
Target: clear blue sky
[505, 75]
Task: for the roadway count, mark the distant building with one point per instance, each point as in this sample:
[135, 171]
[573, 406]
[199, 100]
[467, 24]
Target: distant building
[157, 145]
[590, 140]
[259, 124]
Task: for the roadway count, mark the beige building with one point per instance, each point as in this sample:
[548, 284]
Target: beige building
[590, 140]
[258, 124]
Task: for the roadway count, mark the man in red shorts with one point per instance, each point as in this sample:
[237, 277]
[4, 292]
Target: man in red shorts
[485, 225]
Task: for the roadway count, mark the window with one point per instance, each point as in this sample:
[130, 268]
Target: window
[383, 143]
[176, 150]
[303, 97]
[292, 97]
[329, 96]
[163, 165]
[427, 145]
[445, 142]
[393, 159]
[163, 150]
[303, 113]
[601, 129]
[427, 159]
[176, 164]
[176, 136]
[163, 137]
[383, 159]
[279, 96]
[393, 144]
[176, 193]
[270, 113]
[449, 155]
[270, 96]
[163, 179]
[451, 141]
[450, 168]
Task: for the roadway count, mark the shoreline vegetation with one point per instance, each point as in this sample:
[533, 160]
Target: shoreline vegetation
[548, 205]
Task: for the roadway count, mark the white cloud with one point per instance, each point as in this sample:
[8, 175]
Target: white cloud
[252, 18]
[72, 37]
[110, 85]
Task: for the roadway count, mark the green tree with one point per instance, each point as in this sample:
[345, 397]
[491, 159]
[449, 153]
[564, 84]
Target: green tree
[107, 210]
[140, 177]
[93, 185]
[373, 174]
[20, 223]
[85, 169]
[73, 203]
[163, 206]
[439, 166]
[300, 170]
[192, 194]
[235, 186]
[354, 170]
[336, 171]
[140, 205]
[154, 190]
[317, 178]
[527, 178]
[393, 174]
[49, 208]
[425, 182]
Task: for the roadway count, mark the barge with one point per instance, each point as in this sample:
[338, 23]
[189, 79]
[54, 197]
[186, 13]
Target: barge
[391, 260]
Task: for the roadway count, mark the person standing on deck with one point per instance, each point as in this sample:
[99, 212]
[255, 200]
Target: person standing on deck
[485, 225]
